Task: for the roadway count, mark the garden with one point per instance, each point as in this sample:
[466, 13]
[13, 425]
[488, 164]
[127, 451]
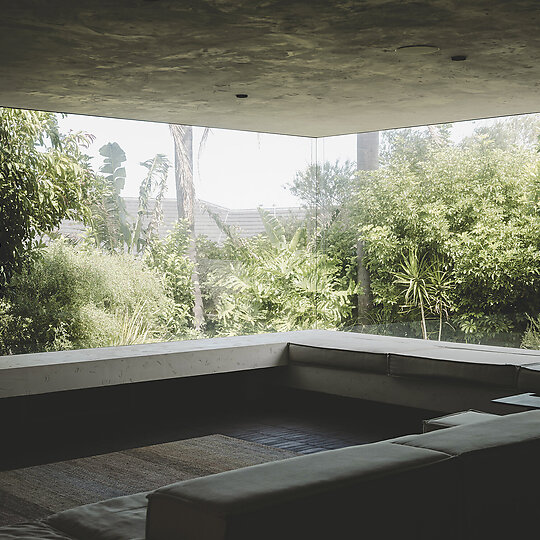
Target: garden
[441, 241]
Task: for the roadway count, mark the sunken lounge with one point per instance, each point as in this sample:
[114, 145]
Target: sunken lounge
[308, 434]
[312, 396]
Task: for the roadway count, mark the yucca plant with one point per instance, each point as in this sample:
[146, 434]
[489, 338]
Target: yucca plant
[412, 280]
[425, 286]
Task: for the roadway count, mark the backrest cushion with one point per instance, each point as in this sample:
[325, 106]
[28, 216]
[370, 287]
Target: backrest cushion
[372, 488]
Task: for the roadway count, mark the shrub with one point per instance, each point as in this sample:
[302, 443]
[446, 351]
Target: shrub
[71, 299]
[531, 339]
[169, 257]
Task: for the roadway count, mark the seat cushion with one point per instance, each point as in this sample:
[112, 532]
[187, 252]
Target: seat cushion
[497, 472]
[373, 362]
[35, 530]
[121, 518]
[456, 419]
[500, 432]
[307, 496]
[474, 366]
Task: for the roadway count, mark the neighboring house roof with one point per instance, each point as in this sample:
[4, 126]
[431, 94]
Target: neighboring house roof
[246, 221]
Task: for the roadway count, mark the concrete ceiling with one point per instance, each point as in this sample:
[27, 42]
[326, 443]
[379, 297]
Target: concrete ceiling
[309, 67]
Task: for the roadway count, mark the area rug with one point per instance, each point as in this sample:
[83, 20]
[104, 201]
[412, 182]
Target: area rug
[35, 492]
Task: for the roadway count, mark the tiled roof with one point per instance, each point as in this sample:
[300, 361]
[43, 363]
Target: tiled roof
[247, 222]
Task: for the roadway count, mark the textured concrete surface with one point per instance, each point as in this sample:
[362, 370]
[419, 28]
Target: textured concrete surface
[309, 67]
[40, 373]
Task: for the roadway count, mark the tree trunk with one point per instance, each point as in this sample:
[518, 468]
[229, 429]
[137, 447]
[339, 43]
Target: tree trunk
[185, 204]
[367, 159]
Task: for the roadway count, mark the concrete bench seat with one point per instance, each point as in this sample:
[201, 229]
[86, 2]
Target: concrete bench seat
[478, 482]
[498, 473]
[439, 376]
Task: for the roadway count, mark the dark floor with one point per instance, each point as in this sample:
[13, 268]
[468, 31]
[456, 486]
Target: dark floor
[48, 429]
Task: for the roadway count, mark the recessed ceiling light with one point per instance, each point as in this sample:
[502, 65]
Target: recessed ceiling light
[417, 50]
[241, 96]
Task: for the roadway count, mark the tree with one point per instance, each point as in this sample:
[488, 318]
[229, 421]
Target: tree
[44, 178]
[473, 207]
[324, 187]
[367, 159]
[185, 201]
[507, 133]
[411, 146]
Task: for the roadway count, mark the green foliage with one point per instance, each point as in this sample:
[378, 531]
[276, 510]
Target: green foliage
[475, 208]
[71, 299]
[169, 258]
[44, 178]
[409, 147]
[425, 285]
[508, 133]
[531, 338]
[324, 188]
[110, 226]
[271, 283]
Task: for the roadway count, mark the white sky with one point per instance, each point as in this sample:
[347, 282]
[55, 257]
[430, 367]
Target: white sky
[236, 169]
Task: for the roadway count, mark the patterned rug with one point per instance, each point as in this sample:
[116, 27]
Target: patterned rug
[35, 492]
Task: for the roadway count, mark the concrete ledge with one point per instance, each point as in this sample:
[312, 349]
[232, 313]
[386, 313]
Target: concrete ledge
[39, 373]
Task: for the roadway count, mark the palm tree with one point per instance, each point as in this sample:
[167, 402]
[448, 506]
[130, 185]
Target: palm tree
[185, 203]
[367, 159]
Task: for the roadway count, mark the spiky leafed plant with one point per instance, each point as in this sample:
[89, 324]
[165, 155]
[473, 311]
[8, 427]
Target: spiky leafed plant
[412, 281]
[425, 285]
[439, 285]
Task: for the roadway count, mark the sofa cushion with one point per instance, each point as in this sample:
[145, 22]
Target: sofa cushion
[483, 367]
[500, 432]
[121, 518]
[373, 362]
[34, 530]
[496, 467]
[309, 496]
[462, 418]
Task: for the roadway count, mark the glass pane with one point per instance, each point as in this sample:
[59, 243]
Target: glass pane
[170, 232]
[438, 230]
[428, 232]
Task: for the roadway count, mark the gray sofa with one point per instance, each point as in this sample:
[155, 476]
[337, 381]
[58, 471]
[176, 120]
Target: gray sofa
[471, 481]
[430, 375]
